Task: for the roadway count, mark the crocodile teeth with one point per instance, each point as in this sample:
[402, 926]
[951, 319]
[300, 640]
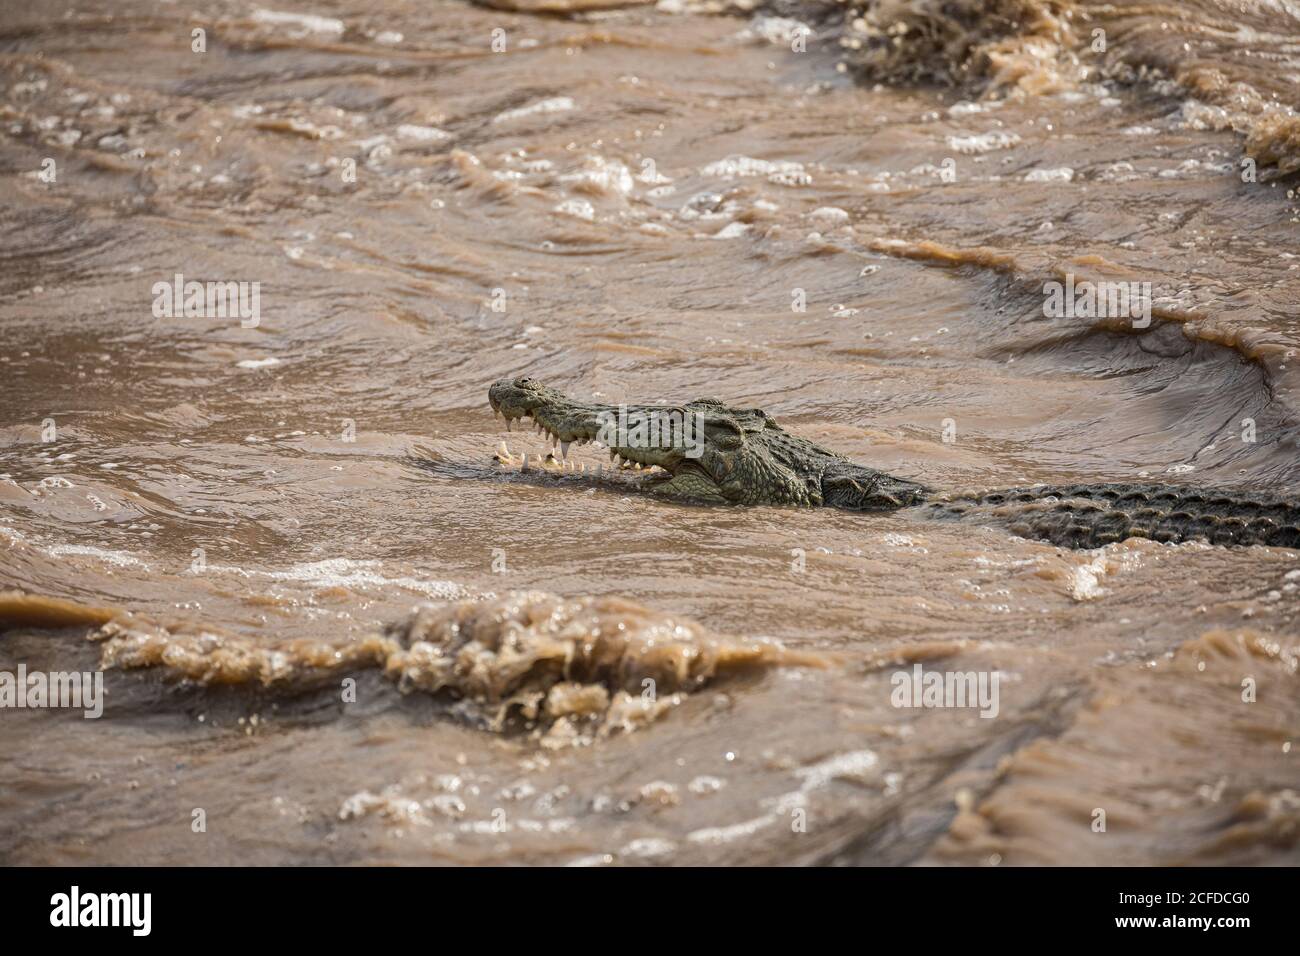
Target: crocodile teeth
[508, 428]
[524, 466]
[564, 449]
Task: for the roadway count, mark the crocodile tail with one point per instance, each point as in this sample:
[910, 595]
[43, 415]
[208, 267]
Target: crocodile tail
[1089, 516]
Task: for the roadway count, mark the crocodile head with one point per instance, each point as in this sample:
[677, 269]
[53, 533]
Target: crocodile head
[707, 450]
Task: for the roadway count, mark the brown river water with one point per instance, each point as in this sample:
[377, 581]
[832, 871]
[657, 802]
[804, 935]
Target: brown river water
[254, 523]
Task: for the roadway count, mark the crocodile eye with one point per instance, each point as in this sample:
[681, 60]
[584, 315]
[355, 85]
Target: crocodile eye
[726, 433]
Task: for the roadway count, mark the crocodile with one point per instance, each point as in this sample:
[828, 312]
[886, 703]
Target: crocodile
[741, 456]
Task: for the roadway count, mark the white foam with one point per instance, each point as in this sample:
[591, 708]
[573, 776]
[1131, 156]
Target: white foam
[967, 108]
[779, 30]
[577, 208]
[829, 214]
[732, 230]
[1085, 581]
[344, 572]
[307, 21]
[856, 765]
[424, 134]
[785, 172]
[717, 835]
[1064, 174]
[120, 559]
[648, 847]
[13, 535]
[602, 175]
[556, 104]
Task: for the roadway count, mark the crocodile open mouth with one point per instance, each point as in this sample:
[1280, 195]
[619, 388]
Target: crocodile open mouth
[558, 460]
[576, 453]
[570, 433]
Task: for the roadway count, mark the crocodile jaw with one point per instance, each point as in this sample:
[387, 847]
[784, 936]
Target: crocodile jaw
[567, 422]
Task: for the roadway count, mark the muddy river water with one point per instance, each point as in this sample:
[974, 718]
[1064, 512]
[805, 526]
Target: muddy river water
[258, 520]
